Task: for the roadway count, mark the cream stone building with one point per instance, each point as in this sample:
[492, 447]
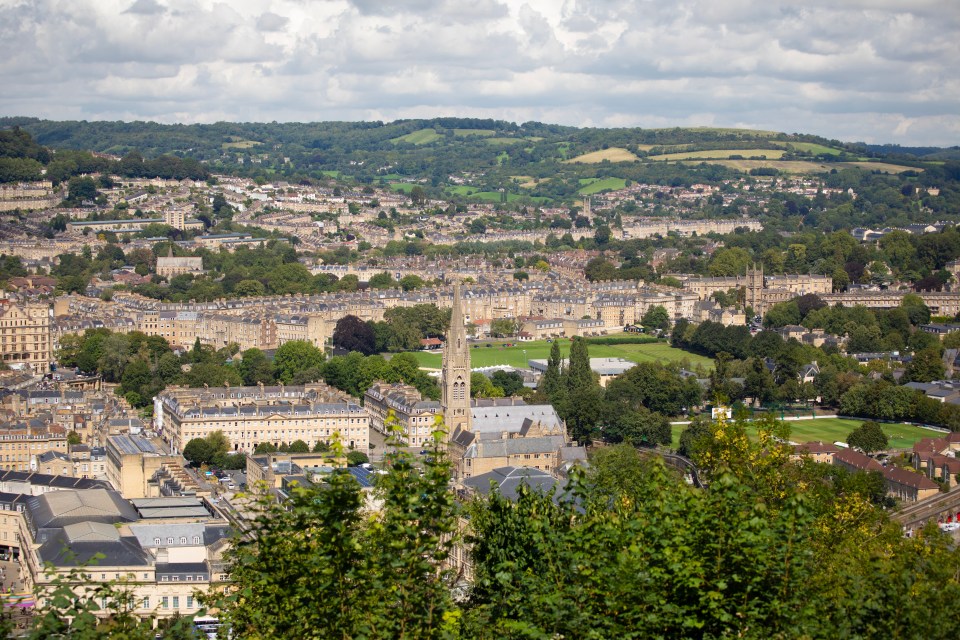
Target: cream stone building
[169, 266]
[136, 467]
[249, 416]
[761, 292]
[25, 336]
[416, 417]
[22, 442]
[161, 551]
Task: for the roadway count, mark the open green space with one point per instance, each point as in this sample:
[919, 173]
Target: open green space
[491, 196]
[613, 154]
[720, 154]
[518, 355]
[596, 185]
[829, 430]
[466, 133]
[785, 166]
[240, 144]
[812, 147]
[404, 187]
[423, 136]
[503, 140]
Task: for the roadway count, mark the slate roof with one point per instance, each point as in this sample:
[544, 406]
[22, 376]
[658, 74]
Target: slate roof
[508, 480]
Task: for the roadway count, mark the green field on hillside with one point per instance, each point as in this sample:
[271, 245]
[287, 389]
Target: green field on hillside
[812, 147]
[404, 187]
[490, 196]
[829, 430]
[503, 140]
[466, 133]
[596, 185]
[720, 154]
[423, 136]
[517, 356]
[613, 154]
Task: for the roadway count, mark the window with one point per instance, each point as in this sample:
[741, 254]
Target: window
[189, 602]
[146, 602]
[165, 579]
[165, 602]
[176, 602]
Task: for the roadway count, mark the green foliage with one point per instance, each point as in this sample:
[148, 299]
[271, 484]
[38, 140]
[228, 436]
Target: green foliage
[868, 437]
[295, 356]
[355, 458]
[317, 567]
[656, 317]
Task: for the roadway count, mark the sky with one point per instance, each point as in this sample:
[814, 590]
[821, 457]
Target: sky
[877, 71]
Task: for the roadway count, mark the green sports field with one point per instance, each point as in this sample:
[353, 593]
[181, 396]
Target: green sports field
[829, 430]
[517, 356]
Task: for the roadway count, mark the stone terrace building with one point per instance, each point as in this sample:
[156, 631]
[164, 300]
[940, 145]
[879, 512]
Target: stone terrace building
[249, 416]
[415, 416]
[25, 338]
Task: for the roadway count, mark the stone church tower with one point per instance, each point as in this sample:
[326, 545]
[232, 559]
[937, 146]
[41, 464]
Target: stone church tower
[455, 371]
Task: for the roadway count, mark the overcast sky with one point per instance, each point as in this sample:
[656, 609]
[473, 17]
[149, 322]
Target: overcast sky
[870, 70]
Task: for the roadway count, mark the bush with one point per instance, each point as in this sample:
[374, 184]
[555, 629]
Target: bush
[355, 458]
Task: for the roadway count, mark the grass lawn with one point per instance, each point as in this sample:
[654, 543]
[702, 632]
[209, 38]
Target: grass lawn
[423, 136]
[613, 154]
[831, 430]
[719, 153]
[602, 184]
[517, 356]
[404, 187]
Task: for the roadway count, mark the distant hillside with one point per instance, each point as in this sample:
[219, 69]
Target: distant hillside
[469, 158]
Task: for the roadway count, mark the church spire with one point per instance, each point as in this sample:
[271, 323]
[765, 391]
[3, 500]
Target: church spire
[455, 371]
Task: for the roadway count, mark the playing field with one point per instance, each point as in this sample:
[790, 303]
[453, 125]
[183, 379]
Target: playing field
[517, 356]
[613, 154]
[829, 430]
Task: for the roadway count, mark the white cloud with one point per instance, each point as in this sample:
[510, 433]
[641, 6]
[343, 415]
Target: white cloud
[875, 70]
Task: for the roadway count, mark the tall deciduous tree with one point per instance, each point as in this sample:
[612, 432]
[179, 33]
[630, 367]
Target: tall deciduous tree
[295, 356]
[353, 334]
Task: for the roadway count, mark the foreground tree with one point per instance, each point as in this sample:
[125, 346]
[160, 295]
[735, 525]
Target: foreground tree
[868, 437]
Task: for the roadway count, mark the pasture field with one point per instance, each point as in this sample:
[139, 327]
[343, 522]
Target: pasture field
[423, 136]
[403, 187]
[466, 133]
[517, 356]
[885, 167]
[613, 154]
[527, 182]
[596, 185]
[240, 144]
[722, 154]
[812, 147]
[829, 430]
